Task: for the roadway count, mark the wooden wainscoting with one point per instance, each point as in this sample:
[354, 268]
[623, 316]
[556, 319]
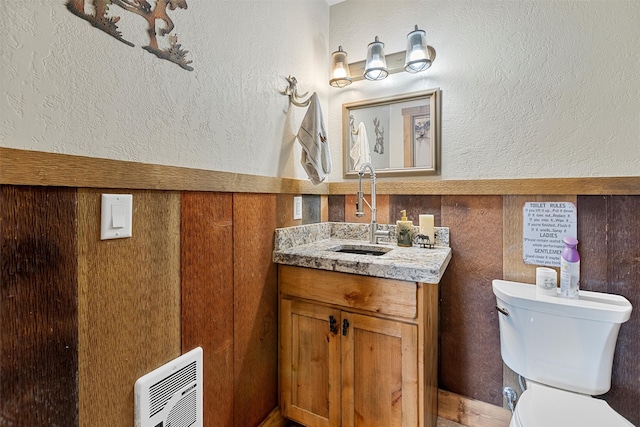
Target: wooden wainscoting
[38, 306]
[470, 412]
[25, 167]
[128, 303]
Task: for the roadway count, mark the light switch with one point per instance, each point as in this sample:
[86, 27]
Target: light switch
[297, 207]
[116, 216]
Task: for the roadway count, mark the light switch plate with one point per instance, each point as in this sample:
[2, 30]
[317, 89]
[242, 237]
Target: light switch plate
[116, 216]
[297, 207]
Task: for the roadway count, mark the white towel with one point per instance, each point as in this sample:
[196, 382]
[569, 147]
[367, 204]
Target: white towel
[316, 156]
[360, 152]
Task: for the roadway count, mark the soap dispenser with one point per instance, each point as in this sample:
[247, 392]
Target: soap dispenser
[404, 230]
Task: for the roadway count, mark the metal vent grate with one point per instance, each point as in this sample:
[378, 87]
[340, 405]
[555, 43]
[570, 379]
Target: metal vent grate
[184, 413]
[171, 396]
[161, 392]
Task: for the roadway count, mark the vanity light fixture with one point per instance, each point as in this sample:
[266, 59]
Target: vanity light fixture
[340, 75]
[376, 66]
[418, 57]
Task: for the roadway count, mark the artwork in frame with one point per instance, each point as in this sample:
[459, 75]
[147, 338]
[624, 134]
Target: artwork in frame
[398, 135]
[417, 137]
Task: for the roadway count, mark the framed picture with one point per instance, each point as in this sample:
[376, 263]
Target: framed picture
[398, 135]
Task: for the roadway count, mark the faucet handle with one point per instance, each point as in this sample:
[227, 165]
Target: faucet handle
[378, 233]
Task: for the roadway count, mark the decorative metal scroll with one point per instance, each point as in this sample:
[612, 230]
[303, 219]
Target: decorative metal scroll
[102, 20]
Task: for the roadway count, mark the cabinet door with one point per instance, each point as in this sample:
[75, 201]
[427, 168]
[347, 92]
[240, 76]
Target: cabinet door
[379, 372]
[309, 363]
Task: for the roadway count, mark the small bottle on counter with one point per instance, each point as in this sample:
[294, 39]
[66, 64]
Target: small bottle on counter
[404, 230]
[570, 268]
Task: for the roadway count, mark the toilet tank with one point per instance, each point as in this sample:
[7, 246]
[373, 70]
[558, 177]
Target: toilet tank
[566, 343]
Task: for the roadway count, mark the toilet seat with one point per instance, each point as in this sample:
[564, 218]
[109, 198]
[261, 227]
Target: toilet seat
[546, 406]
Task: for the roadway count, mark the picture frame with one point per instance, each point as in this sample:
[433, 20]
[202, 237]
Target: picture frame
[401, 134]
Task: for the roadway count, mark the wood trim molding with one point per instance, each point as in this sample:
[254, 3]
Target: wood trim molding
[485, 187]
[275, 419]
[470, 412]
[24, 167]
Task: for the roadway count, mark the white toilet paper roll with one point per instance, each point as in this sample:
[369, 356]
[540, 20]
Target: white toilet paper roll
[546, 281]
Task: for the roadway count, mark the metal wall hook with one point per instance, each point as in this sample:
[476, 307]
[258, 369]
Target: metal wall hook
[292, 92]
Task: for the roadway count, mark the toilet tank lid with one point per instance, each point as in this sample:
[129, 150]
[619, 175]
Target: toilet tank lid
[596, 306]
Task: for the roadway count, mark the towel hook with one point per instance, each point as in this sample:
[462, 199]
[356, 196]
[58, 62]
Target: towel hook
[352, 126]
[292, 92]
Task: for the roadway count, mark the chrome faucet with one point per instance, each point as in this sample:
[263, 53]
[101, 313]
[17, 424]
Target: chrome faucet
[374, 233]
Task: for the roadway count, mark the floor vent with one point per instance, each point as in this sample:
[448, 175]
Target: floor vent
[171, 396]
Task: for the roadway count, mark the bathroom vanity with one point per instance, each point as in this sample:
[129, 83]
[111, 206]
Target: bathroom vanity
[358, 327]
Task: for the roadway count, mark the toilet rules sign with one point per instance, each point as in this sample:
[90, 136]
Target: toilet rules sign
[545, 224]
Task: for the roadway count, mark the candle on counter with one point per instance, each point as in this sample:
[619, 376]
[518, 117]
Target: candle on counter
[426, 227]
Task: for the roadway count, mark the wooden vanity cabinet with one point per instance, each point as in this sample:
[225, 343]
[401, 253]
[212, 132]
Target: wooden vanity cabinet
[356, 350]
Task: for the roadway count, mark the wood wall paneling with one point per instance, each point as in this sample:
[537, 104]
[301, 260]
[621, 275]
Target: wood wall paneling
[206, 236]
[382, 206]
[314, 209]
[608, 230]
[38, 307]
[623, 277]
[324, 208]
[414, 205]
[614, 271]
[275, 419]
[513, 266]
[284, 211]
[255, 308]
[23, 167]
[470, 412]
[311, 209]
[350, 209]
[470, 361]
[336, 207]
[128, 302]
[531, 186]
[593, 246]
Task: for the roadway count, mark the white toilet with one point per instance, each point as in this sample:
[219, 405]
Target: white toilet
[564, 349]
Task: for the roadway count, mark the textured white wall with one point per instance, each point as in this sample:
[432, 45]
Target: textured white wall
[529, 88]
[67, 87]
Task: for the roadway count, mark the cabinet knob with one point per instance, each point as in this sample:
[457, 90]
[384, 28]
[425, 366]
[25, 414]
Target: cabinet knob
[345, 326]
[333, 325]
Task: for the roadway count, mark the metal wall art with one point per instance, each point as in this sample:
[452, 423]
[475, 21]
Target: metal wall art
[103, 20]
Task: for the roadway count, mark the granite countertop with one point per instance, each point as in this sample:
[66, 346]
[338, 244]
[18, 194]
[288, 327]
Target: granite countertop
[311, 246]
